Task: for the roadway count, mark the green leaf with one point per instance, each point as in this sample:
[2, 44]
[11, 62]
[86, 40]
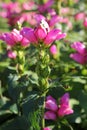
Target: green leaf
[19, 123]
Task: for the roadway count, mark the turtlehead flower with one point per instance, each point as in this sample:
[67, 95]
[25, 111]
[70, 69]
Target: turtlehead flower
[42, 34]
[51, 104]
[79, 58]
[55, 110]
[64, 108]
[14, 38]
[79, 47]
[81, 55]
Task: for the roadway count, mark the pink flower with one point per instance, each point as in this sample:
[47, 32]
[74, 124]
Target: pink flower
[7, 38]
[78, 58]
[55, 110]
[80, 16]
[12, 54]
[50, 115]
[14, 38]
[42, 34]
[15, 34]
[55, 19]
[85, 22]
[29, 34]
[51, 104]
[79, 47]
[81, 54]
[51, 37]
[46, 128]
[25, 42]
[53, 50]
[64, 100]
[42, 30]
[64, 108]
[46, 6]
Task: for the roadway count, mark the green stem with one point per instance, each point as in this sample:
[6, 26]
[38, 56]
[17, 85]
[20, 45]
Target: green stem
[58, 6]
[43, 71]
[0, 90]
[43, 120]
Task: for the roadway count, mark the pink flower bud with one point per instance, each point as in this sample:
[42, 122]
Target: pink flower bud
[49, 115]
[53, 50]
[78, 58]
[80, 47]
[12, 54]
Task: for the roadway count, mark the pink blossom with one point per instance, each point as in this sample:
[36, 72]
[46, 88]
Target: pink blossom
[53, 50]
[42, 33]
[46, 6]
[57, 110]
[51, 36]
[79, 47]
[14, 38]
[24, 42]
[39, 17]
[85, 22]
[50, 115]
[42, 30]
[80, 16]
[78, 58]
[64, 100]
[7, 38]
[65, 10]
[29, 34]
[46, 128]
[12, 54]
[55, 19]
[50, 98]
[51, 104]
[15, 34]
[81, 54]
[64, 110]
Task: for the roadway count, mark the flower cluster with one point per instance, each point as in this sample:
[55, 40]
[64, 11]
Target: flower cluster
[42, 34]
[81, 55]
[13, 39]
[57, 110]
